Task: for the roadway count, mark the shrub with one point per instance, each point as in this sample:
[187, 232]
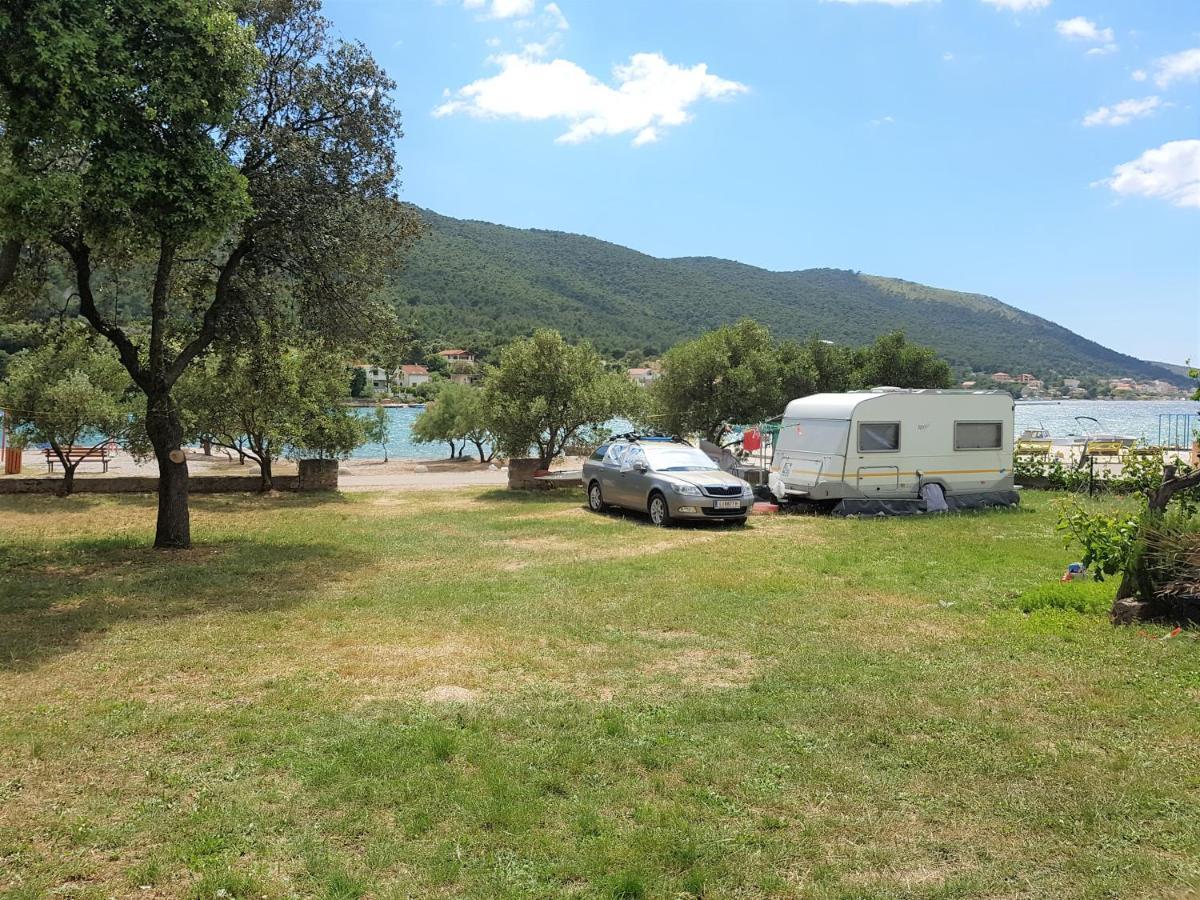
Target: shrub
[1092, 597]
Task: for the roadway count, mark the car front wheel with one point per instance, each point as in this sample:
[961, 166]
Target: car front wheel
[595, 498]
[660, 513]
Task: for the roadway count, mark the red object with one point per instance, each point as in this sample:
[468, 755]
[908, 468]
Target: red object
[751, 439]
[12, 461]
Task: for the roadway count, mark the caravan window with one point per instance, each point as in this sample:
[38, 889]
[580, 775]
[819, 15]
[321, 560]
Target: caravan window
[978, 435]
[815, 435]
[878, 437]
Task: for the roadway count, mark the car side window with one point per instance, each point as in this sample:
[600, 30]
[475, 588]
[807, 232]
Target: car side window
[614, 454]
[598, 455]
[632, 458]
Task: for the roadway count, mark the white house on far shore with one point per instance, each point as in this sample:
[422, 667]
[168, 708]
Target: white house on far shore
[377, 377]
[641, 375]
[412, 375]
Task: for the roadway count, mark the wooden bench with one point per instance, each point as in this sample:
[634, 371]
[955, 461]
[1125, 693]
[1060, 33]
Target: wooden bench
[80, 455]
[1097, 449]
[1029, 447]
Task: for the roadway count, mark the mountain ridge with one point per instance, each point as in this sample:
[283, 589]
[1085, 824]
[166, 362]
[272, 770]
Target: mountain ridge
[481, 284]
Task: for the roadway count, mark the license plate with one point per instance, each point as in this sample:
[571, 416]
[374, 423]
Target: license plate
[728, 504]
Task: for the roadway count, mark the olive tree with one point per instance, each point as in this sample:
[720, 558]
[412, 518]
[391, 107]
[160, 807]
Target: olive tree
[71, 391]
[728, 375]
[261, 400]
[545, 392]
[224, 159]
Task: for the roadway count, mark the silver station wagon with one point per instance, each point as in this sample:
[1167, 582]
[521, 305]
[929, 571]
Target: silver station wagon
[666, 478]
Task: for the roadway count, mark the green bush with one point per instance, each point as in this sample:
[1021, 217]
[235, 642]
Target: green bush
[1079, 596]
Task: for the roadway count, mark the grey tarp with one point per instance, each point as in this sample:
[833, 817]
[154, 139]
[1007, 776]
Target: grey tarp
[869, 507]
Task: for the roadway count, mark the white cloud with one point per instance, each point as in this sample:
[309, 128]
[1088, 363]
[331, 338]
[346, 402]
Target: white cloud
[539, 49]
[1182, 66]
[502, 9]
[1122, 113]
[1018, 5]
[649, 96]
[1103, 51]
[556, 16]
[948, 56]
[1170, 172]
[1139, 75]
[1081, 29]
[884, 120]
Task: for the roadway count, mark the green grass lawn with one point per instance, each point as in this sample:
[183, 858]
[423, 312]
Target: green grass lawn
[484, 695]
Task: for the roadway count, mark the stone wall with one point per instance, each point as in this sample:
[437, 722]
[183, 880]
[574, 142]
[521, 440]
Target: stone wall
[138, 484]
[318, 475]
[520, 474]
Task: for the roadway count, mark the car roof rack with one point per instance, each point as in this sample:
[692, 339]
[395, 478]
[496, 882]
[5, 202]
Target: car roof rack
[634, 437]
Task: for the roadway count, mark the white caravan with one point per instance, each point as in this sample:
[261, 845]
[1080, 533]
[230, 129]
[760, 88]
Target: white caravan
[889, 450]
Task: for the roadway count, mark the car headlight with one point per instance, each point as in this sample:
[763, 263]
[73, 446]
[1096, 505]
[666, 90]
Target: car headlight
[747, 491]
[688, 489]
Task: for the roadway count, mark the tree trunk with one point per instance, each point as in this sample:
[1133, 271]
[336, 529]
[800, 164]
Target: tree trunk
[479, 447]
[68, 485]
[264, 471]
[173, 529]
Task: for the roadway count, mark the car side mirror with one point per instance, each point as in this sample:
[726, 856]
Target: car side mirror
[641, 467]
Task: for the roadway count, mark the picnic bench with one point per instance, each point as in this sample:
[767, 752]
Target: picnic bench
[1033, 447]
[80, 455]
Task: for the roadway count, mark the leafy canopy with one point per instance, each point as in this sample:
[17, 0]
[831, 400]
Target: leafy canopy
[544, 392]
[738, 375]
[70, 391]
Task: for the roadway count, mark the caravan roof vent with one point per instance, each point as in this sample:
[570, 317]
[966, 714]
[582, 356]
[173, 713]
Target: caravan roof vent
[884, 389]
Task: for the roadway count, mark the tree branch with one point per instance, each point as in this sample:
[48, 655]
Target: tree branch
[158, 308]
[81, 259]
[222, 298]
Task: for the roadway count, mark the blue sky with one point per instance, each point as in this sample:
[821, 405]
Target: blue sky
[1046, 152]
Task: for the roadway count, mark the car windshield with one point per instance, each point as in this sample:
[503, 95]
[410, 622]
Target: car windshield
[677, 458]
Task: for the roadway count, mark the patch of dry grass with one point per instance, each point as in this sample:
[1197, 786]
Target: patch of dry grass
[485, 695]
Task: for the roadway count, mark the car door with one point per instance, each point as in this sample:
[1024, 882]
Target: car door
[610, 473]
[633, 482]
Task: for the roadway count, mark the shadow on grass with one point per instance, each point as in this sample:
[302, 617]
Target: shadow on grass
[87, 503]
[52, 598]
[553, 496]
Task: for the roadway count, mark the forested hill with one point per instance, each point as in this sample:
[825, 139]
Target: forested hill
[478, 284]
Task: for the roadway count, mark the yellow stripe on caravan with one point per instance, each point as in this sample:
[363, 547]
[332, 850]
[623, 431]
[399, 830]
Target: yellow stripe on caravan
[931, 472]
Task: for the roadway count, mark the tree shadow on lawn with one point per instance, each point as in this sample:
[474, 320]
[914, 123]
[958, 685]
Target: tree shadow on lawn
[571, 495]
[53, 598]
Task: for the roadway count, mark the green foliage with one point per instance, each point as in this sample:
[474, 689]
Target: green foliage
[266, 400]
[730, 374]
[458, 413]
[378, 428]
[358, 382]
[737, 374]
[210, 165]
[545, 392]
[481, 285]
[1094, 597]
[1109, 542]
[894, 362]
[1051, 471]
[66, 392]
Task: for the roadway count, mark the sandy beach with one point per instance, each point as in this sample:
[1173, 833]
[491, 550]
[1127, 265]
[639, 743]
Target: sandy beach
[353, 474]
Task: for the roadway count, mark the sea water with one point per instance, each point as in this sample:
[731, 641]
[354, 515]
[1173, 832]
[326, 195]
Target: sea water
[1136, 418]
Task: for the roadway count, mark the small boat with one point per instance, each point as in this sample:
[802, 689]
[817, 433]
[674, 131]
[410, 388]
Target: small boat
[1099, 433]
